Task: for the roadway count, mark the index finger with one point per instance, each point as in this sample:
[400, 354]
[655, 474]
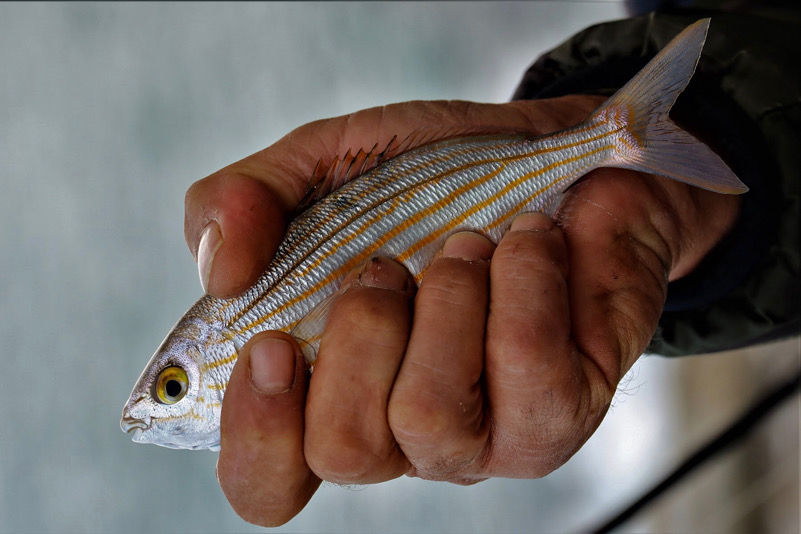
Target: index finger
[235, 218]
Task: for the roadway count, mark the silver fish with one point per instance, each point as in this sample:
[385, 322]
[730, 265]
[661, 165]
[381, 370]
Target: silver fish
[405, 208]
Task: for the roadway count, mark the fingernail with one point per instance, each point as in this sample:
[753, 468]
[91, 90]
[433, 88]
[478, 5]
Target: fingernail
[272, 366]
[468, 246]
[210, 242]
[532, 221]
[385, 274]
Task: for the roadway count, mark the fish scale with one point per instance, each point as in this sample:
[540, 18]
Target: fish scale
[405, 208]
[474, 196]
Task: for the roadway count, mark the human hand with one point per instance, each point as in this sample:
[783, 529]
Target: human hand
[502, 368]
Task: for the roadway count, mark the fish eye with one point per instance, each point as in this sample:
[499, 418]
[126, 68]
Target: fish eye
[171, 385]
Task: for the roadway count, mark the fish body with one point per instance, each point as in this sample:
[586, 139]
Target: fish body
[405, 209]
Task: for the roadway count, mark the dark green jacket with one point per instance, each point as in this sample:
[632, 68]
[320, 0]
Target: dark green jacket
[744, 101]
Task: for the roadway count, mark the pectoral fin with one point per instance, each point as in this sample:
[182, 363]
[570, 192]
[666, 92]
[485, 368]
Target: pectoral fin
[309, 330]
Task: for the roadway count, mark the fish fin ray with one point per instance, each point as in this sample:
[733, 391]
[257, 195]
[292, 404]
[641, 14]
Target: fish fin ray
[309, 330]
[328, 178]
[313, 187]
[660, 146]
[341, 170]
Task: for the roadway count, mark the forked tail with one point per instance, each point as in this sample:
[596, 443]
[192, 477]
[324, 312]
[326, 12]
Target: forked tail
[657, 145]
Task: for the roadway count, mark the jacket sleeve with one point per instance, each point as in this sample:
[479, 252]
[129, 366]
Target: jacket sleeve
[744, 102]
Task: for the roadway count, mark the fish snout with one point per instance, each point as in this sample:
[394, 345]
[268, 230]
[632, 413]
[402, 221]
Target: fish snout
[129, 424]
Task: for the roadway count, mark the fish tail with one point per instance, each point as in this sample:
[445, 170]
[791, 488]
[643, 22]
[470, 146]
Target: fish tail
[651, 142]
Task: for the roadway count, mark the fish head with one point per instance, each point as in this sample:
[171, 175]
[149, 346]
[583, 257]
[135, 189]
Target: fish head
[176, 402]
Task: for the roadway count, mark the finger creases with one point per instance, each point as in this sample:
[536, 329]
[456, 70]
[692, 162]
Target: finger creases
[529, 303]
[533, 372]
[436, 408]
[348, 439]
[619, 268]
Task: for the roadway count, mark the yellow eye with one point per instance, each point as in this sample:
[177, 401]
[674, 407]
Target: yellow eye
[171, 385]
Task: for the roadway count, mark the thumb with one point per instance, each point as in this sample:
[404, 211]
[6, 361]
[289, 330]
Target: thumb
[233, 225]
[262, 469]
[236, 217]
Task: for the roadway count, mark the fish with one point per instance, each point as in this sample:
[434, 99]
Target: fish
[404, 208]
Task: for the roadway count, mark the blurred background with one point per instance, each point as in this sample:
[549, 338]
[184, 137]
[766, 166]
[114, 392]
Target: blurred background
[108, 112]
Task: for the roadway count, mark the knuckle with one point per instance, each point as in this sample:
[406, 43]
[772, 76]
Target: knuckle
[419, 419]
[533, 446]
[345, 458]
[443, 441]
[347, 442]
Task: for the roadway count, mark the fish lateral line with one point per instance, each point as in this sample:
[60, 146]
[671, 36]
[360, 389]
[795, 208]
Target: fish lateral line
[424, 194]
[586, 125]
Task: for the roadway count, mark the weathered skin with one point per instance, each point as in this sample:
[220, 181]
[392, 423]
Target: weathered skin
[405, 209]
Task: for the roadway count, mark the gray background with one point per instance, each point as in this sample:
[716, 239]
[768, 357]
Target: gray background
[109, 112]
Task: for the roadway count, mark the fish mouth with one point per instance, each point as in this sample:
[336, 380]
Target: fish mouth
[129, 424]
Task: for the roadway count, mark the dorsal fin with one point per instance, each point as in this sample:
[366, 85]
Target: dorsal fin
[329, 177]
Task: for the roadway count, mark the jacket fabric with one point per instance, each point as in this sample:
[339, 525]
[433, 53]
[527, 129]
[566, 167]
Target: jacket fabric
[744, 101]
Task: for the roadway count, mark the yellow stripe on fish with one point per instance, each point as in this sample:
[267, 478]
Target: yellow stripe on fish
[405, 208]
